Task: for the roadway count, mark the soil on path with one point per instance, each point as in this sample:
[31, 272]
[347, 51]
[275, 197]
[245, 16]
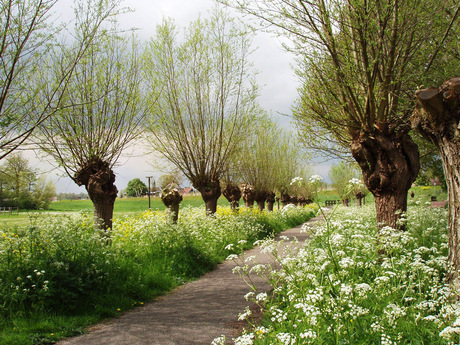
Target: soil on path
[194, 313]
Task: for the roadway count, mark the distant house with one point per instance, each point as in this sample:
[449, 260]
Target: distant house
[188, 190]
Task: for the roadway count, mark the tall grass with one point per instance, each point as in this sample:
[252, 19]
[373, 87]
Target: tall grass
[350, 284]
[57, 274]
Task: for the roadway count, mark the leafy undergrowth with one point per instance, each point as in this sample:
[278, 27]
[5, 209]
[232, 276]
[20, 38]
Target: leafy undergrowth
[58, 274]
[352, 285]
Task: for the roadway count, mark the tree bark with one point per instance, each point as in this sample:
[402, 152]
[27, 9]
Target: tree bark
[210, 192]
[99, 181]
[248, 194]
[172, 200]
[260, 197]
[389, 162]
[270, 201]
[285, 199]
[233, 194]
[437, 118]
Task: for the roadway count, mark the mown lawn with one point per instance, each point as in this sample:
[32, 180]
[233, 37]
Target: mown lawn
[123, 207]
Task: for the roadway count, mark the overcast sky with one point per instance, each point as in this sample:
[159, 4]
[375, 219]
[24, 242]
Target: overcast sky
[276, 77]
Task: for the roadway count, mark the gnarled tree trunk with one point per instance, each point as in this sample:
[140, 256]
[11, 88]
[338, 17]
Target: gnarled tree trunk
[260, 197]
[210, 192]
[172, 199]
[99, 181]
[233, 194]
[390, 163]
[285, 199]
[248, 194]
[270, 201]
[437, 117]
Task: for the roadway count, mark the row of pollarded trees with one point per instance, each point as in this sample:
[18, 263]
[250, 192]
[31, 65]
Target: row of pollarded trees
[87, 100]
[267, 160]
[260, 170]
[360, 63]
[206, 120]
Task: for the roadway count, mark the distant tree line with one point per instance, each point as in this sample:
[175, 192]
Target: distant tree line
[71, 196]
[21, 186]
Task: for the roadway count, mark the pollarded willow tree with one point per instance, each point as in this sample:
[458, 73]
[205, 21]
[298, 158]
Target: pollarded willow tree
[256, 163]
[437, 118]
[102, 112]
[268, 161]
[358, 62]
[27, 39]
[204, 96]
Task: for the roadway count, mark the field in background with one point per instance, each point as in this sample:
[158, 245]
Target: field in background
[131, 206]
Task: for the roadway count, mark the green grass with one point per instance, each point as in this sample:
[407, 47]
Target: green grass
[124, 206]
[129, 205]
[57, 274]
[422, 193]
[134, 206]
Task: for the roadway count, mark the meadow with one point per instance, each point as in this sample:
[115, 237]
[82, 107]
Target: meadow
[58, 274]
[123, 206]
[135, 206]
[353, 284]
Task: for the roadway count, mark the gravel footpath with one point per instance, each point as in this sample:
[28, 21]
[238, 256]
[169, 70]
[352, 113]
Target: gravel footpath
[194, 313]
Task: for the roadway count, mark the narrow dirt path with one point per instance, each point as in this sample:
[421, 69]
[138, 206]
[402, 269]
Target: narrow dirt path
[194, 313]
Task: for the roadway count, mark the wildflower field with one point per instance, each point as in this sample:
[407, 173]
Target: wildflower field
[58, 274]
[350, 284]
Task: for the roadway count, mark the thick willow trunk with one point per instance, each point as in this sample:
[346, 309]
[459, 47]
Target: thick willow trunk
[270, 201]
[450, 153]
[389, 162]
[392, 201]
[99, 181]
[260, 197]
[437, 117]
[233, 194]
[248, 194]
[359, 198]
[210, 192]
[172, 200]
[285, 199]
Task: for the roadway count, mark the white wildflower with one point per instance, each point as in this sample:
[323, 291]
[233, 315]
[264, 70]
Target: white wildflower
[286, 338]
[249, 295]
[346, 262]
[261, 297]
[449, 332]
[245, 339]
[219, 340]
[249, 258]
[308, 335]
[245, 315]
